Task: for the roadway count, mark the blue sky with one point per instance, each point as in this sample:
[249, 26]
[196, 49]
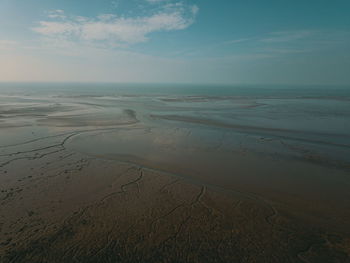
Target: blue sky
[185, 41]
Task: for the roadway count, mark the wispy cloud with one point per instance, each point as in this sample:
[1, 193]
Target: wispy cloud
[58, 13]
[286, 36]
[236, 41]
[116, 30]
[155, 1]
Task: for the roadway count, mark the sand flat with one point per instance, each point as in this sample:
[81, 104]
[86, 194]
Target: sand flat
[116, 184]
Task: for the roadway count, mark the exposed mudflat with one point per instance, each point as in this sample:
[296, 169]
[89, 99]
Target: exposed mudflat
[162, 179]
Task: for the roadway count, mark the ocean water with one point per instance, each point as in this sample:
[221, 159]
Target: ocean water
[176, 89]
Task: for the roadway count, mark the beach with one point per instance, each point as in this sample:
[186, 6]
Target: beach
[144, 174]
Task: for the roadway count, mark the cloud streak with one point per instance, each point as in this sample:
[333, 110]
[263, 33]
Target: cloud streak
[287, 36]
[117, 30]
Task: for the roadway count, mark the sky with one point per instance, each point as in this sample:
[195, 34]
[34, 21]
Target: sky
[295, 42]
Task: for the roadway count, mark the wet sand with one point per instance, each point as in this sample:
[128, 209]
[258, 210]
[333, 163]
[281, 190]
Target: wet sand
[129, 179]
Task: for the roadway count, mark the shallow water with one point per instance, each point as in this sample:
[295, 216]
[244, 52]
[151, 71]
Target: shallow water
[264, 140]
[295, 122]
